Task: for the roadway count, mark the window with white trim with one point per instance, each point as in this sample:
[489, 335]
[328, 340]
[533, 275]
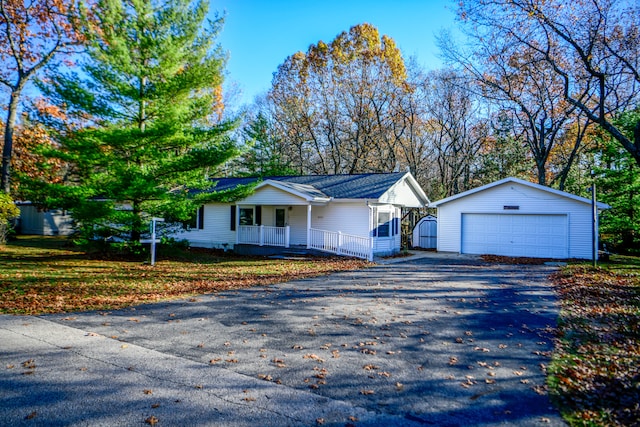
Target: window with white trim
[246, 216]
[385, 219]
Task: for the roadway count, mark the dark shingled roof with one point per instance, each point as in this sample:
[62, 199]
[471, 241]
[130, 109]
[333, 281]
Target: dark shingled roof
[361, 186]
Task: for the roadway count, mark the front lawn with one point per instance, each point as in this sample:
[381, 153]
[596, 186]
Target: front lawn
[48, 275]
[594, 377]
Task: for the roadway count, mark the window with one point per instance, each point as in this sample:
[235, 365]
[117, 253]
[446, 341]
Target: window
[384, 224]
[280, 217]
[196, 221]
[201, 218]
[246, 216]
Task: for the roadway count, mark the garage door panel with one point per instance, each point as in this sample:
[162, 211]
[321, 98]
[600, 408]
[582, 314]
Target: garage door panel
[541, 236]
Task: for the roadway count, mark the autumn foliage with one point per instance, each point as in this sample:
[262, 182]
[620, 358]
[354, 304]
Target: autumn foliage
[32, 34]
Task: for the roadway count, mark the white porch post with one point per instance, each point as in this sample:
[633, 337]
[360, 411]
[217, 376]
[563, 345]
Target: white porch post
[261, 238]
[309, 226]
[339, 248]
[237, 224]
[372, 224]
[287, 234]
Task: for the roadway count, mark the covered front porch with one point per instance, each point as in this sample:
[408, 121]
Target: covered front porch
[288, 226]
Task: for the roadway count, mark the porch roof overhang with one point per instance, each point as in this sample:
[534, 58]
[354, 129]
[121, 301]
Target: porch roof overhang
[303, 191]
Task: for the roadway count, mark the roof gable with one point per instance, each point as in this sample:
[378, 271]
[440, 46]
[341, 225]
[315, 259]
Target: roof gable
[521, 182]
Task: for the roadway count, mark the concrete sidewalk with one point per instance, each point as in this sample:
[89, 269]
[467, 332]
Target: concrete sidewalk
[427, 342]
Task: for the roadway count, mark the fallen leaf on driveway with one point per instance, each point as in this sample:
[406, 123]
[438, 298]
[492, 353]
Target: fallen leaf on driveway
[151, 420]
[313, 357]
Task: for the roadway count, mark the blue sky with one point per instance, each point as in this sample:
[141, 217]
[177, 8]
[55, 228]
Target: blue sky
[260, 34]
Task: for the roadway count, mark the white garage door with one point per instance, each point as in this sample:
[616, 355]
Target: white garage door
[539, 236]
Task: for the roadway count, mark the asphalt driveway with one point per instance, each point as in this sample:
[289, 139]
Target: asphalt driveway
[442, 340]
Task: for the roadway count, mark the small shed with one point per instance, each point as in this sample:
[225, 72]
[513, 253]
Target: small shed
[425, 233]
[54, 222]
[512, 217]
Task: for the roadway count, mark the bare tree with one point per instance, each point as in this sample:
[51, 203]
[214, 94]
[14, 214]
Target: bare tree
[591, 46]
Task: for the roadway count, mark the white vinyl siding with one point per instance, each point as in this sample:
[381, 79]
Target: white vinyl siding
[268, 195]
[530, 201]
[403, 194]
[349, 218]
[216, 232]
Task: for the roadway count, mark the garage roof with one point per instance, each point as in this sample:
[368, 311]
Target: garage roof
[437, 203]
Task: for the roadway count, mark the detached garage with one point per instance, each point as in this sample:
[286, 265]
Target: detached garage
[512, 217]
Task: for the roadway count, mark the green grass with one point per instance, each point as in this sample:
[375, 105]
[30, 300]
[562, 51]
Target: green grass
[50, 275]
[594, 377]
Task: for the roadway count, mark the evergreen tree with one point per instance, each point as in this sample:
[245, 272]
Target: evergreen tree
[264, 152]
[618, 185]
[142, 121]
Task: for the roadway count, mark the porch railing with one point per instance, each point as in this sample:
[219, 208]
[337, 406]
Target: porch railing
[341, 244]
[264, 235]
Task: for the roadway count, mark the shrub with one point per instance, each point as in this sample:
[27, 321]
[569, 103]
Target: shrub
[8, 212]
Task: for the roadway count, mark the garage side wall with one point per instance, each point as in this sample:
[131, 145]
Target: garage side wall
[528, 201]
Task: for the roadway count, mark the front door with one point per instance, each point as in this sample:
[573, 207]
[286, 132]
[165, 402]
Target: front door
[280, 217]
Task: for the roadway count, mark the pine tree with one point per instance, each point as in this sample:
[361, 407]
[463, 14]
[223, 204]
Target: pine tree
[143, 118]
[618, 185]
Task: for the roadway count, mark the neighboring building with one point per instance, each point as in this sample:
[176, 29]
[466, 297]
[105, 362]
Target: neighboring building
[354, 215]
[54, 222]
[512, 217]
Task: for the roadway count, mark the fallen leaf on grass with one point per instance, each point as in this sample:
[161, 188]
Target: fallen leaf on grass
[367, 392]
[31, 416]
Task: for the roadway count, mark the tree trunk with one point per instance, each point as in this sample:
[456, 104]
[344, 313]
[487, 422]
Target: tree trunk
[136, 224]
[542, 173]
[7, 150]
